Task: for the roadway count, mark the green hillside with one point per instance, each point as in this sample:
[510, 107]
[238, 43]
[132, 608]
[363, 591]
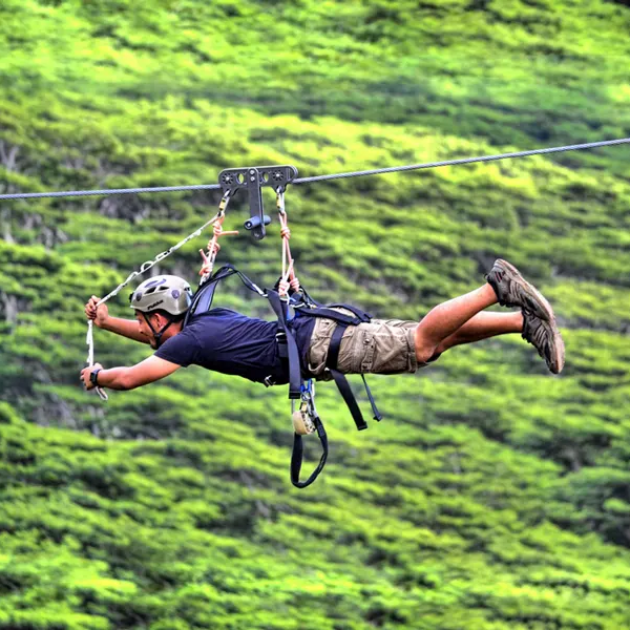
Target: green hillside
[493, 496]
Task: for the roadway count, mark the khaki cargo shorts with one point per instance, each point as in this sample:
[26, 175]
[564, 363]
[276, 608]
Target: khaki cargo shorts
[382, 346]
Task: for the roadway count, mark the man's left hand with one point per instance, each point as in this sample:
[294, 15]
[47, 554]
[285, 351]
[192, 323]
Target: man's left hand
[85, 375]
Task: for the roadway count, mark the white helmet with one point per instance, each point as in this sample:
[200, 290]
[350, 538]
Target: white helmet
[162, 293]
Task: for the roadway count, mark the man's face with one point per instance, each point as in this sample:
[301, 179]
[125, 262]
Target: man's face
[145, 329]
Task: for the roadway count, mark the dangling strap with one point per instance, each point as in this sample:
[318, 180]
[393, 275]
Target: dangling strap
[298, 454]
[377, 414]
[340, 380]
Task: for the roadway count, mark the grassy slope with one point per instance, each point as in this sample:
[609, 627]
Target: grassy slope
[493, 496]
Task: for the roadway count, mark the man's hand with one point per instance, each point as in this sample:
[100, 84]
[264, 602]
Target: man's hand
[85, 375]
[98, 315]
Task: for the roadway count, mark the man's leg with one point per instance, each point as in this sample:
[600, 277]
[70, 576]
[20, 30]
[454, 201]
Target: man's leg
[483, 326]
[457, 321]
[447, 318]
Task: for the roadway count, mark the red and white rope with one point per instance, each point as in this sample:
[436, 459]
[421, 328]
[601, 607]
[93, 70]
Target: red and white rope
[213, 244]
[288, 279]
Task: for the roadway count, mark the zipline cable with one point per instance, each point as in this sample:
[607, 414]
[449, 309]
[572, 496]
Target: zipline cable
[320, 178]
[110, 191]
[471, 160]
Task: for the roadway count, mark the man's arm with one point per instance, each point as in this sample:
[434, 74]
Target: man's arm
[129, 328]
[123, 378]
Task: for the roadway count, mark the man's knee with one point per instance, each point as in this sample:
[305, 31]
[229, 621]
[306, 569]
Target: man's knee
[428, 357]
[426, 349]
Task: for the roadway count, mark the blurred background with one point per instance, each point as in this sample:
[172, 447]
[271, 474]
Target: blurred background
[493, 496]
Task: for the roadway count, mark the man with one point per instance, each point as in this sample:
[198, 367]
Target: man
[228, 342]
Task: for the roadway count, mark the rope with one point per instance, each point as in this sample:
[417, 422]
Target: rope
[213, 245]
[288, 279]
[320, 178]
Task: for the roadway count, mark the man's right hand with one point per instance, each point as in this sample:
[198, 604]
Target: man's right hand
[99, 314]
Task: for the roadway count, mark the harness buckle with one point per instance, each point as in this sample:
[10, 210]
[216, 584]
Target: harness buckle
[268, 381]
[281, 341]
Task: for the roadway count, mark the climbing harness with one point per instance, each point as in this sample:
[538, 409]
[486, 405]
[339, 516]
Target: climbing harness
[288, 298]
[305, 419]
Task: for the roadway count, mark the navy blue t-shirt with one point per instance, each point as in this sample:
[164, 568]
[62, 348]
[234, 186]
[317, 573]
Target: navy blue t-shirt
[225, 341]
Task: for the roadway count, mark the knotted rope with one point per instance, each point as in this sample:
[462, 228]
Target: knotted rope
[288, 280]
[213, 244]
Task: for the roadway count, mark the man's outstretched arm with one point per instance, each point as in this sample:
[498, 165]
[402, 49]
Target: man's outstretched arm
[147, 371]
[129, 328]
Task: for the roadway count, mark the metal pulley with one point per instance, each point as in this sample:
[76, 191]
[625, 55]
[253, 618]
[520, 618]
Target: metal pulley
[252, 179]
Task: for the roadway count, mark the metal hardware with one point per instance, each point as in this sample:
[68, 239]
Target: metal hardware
[304, 417]
[253, 179]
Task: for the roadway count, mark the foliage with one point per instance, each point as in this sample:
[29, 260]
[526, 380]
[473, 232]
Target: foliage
[493, 496]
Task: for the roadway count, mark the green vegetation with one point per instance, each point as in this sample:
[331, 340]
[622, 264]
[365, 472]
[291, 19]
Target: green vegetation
[493, 496]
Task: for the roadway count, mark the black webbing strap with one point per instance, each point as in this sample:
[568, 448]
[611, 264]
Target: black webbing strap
[328, 313]
[202, 300]
[335, 345]
[362, 315]
[298, 454]
[377, 414]
[348, 396]
[340, 380]
[295, 373]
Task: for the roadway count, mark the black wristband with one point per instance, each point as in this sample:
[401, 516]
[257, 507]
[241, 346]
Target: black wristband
[94, 376]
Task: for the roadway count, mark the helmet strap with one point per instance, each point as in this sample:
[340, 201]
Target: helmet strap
[156, 334]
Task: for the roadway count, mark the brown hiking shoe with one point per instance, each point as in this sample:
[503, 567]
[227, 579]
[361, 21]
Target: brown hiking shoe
[546, 338]
[513, 290]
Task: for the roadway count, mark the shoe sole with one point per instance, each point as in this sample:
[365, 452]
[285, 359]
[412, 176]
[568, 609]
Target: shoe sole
[556, 346]
[544, 311]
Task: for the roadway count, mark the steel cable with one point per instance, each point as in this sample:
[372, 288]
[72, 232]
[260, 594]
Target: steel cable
[321, 178]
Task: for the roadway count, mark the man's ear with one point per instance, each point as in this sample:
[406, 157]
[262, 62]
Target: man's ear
[159, 321]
